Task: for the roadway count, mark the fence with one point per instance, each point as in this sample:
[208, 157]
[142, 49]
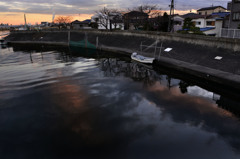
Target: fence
[230, 33]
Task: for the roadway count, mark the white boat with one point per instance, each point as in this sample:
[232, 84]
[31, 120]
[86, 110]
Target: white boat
[141, 58]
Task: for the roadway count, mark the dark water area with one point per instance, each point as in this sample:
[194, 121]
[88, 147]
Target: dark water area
[77, 103]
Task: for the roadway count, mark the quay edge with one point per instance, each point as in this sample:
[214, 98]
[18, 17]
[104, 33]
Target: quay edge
[128, 42]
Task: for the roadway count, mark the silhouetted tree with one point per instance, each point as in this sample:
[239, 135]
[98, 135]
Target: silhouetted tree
[63, 19]
[152, 10]
[188, 23]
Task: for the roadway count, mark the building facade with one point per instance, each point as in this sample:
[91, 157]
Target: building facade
[210, 10]
[234, 22]
[105, 22]
[134, 20]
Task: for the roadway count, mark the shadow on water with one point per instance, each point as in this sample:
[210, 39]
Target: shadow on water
[111, 119]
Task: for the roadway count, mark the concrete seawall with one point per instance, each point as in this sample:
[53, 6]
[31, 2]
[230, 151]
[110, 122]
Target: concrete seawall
[191, 54]
[62, 36]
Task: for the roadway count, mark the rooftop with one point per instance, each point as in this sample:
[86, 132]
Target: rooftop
[211, 8]
[136, 13]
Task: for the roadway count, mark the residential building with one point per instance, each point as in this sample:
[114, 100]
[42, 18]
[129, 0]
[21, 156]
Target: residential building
[44, 24]
[178, 22]
[210, 10]
[234, 21]
[111, 21]
[81, 24]
[211, 24]
[134, 20]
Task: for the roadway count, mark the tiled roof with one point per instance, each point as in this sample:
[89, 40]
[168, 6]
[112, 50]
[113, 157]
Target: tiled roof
[193, 16]
[211, 8]
[221, 14]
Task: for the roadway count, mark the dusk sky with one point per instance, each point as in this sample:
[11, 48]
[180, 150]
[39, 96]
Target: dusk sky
[11, 11]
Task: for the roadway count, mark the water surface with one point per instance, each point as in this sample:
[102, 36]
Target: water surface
[56, 103]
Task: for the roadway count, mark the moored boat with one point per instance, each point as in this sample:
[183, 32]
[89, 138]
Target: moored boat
[141, 58]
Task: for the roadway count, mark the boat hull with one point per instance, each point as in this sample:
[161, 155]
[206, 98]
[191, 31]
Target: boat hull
[142, 59]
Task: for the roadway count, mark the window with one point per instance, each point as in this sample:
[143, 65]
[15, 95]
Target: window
[236, 16]
[198, 23]
[177, 23]
[237, 1]
[210, 23]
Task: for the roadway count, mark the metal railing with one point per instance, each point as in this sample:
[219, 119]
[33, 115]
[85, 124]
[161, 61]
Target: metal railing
[230, 33]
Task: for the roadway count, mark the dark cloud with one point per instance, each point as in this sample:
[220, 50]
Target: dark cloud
[87, 7]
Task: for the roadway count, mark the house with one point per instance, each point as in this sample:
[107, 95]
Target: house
[189, 15]
[112, 21]
[210, 10]
[44, 24]
[81, 24]
[178, 22]
[134, 20]
[211, 24]
[234, 22]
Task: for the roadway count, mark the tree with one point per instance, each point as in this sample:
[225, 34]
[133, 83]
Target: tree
[163, 23]
[63, 19]
[189, 27]
[188, 24]
[106, 16]
[151, 10]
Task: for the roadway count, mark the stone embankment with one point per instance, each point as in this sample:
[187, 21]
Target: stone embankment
[191, 54]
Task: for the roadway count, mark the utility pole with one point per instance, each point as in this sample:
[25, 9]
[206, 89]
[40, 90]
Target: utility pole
[25, 21]
[170, 22]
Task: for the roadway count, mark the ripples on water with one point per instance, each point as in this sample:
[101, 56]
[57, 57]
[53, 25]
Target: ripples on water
[82, 104]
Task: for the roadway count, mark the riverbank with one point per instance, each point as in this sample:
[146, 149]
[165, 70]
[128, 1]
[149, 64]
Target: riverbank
[191, 54]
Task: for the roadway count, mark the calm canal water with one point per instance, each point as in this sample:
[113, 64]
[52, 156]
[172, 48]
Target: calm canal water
[56, 103]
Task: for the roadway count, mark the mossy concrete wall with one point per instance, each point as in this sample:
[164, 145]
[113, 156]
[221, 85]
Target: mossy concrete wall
[126, 39]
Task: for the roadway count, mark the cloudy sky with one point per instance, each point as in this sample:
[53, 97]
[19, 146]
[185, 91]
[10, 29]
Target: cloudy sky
[85, 8]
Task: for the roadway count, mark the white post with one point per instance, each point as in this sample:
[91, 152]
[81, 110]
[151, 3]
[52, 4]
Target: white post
[86, 40]
[228, 33]
[234, 33]
[155, 49]
[69, 36]
[220, 35]
[97, 42]
[160, 52]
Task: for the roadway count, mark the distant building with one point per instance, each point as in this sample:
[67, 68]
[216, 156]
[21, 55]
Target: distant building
[210, 10]
[134, 20]
[229, 6]
[81, 24]
[111, 21]
[178, 22]
[189, 15]
[211, 24]
[44, 24]
[234, 21]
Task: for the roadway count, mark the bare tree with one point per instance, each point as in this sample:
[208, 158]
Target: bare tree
[105, 17]
[152, 10]
[63, 19]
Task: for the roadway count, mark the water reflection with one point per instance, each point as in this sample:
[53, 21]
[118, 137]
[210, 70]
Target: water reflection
[61, 105]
